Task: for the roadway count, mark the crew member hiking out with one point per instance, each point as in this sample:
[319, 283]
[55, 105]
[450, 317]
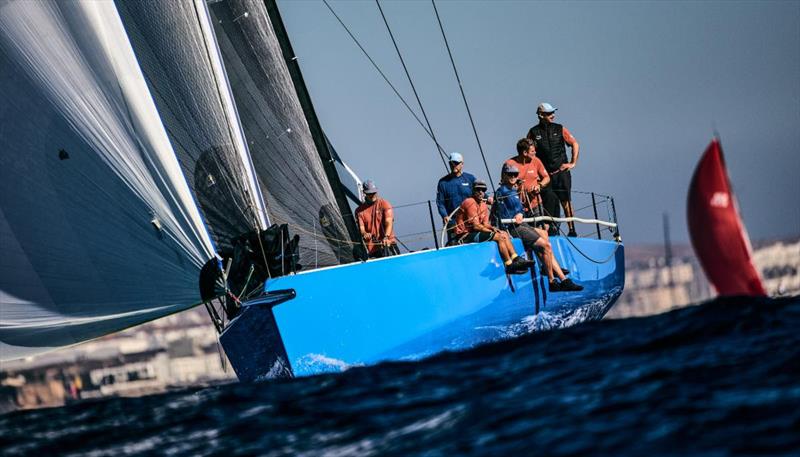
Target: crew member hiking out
[509, 206]
[551, 141]
[376, 222]
[472, 226]
[452, 190]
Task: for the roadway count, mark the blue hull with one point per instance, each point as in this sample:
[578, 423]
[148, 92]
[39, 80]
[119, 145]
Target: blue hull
[411, 306]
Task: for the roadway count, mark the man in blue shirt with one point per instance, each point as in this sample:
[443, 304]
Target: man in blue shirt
[509, 206]
[453, 189]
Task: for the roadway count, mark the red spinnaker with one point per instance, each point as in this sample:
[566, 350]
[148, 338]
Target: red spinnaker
[716, 230]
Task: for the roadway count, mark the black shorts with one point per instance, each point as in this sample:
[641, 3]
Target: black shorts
[477, 237]
[526, 233]
[385, 251]
[561, 185]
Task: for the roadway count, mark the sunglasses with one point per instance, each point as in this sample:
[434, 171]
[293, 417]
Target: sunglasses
[512, 175]
[549, 114]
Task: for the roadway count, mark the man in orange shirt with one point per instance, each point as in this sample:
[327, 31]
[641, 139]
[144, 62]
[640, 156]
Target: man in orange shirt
[533, 176]
[472, 226]
[376, 222]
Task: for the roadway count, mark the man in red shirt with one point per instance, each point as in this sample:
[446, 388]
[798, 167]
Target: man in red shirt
[376, 222]
[472, 226]
[533, 176]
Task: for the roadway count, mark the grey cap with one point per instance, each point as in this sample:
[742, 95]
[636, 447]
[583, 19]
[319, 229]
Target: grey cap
[369, 187]
[508, 168]
[478, 184]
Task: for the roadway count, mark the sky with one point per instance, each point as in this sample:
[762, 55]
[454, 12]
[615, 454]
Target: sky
[641, 85]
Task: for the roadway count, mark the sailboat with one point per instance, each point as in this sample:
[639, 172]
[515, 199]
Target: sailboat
[716, 229]
[156, 156]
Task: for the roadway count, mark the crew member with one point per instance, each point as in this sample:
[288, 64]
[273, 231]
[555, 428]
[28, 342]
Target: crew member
[533, 176]
[509, 206]
[551, 141]
[472, 226]
[452, 190]
[376, 222]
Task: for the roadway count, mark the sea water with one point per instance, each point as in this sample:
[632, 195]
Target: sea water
[720, 378]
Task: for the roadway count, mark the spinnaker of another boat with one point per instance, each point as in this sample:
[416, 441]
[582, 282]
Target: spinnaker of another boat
[716, 230]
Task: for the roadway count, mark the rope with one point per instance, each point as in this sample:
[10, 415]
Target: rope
[561, 219]
[583, 254]
[413, 88]
[430, 134]
[464, 97]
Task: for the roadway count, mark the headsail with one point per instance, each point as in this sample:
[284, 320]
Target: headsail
[99, 229]
[295, 183]
[174, 44]
[716, 230]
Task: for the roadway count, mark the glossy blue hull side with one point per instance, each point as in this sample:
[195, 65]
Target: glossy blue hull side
[414, 305]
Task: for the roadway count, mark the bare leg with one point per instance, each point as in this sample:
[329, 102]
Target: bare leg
[504, 244]
[503, 250]
[551, 266]
[567, 205]
[556, 267]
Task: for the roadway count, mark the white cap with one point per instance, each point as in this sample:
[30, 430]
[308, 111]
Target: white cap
[545, 108]
[455, 157]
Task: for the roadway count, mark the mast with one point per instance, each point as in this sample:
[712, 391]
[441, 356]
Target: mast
[668, 258]
[311, 118]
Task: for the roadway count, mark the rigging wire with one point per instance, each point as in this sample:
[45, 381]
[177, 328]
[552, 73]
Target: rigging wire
[464, 97]
[419, 121]
[413, 88]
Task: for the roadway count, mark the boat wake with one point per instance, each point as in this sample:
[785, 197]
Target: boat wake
[318, 363]
[552, 320]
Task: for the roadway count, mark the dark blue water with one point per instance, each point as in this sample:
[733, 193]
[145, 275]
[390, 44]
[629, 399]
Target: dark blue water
[718, 379]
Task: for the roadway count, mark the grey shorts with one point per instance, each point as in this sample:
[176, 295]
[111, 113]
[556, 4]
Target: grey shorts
[526, 233]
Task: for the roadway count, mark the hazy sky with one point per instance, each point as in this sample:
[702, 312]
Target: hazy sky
[641, 85]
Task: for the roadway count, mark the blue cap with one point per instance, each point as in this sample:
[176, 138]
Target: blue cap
[455, 157]
[369, 187]
[546, 108]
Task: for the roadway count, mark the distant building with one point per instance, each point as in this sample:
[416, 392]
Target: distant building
[779, 265]
[652, 288]
[179, 350]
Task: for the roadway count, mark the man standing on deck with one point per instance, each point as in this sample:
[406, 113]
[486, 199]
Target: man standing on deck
[551, 141]
[509, 206]
[452, 190]
[472, 226]
[375, 219]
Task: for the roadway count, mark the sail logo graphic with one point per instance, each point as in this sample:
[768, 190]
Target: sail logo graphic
[720, 200]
